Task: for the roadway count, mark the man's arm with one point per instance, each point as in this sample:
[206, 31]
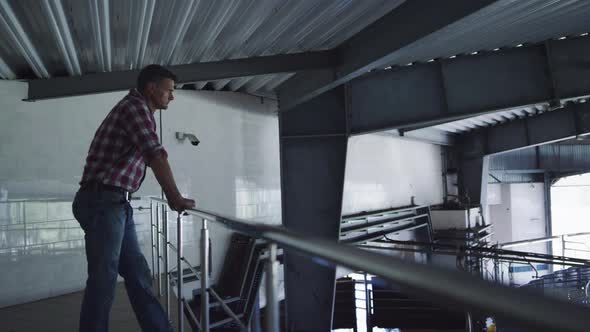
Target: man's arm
[159, 164]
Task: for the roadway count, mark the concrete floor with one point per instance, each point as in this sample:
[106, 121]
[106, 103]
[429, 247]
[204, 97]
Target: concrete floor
[60, 314]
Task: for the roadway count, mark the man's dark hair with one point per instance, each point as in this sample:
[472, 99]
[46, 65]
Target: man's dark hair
[153, 73]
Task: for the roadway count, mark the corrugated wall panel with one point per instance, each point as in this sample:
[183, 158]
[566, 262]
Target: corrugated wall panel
[565, 157]
[519, 159]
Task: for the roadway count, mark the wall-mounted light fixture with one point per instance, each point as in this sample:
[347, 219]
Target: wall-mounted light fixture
[191, 137]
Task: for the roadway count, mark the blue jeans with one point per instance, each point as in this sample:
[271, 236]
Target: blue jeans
[111, 249]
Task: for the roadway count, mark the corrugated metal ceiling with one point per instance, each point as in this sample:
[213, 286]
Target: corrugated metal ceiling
[71, 37]
[491, 119]
[505, 23]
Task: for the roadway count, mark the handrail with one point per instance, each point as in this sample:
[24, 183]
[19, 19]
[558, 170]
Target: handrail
[367, 214]
[492, 252]
[38, 200]
[539, 240]
[445, 285]
[373, 224]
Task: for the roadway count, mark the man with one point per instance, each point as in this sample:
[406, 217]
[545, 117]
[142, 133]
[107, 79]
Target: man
[123, 146]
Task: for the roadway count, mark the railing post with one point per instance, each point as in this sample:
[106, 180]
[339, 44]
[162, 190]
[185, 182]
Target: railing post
[272, 303]
[158, 250]
[179, 282]
[205, 277]
[563, 250]
[367, 303]
[496, 269]
[166, 260]
[152, 237]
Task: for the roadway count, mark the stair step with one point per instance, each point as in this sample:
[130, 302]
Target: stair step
[187, 275]
[224, 321]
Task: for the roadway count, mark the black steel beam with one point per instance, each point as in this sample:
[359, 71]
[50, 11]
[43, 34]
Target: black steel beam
[313, 142]
[432, 93]
[376, 45]
[475, 147]
[549, 127]
[206, 71]
[427, 135]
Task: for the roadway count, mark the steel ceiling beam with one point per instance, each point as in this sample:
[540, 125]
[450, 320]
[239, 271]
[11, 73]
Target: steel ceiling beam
[376, 45]
[207, 71]
[474, 149]
[426, 135]
[452, 89]
[550, 127]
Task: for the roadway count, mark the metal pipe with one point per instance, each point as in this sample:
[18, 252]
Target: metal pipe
[547, 206]
[539, 240]
[190, 267]
[365, 215]
[228, 310]
[179, 282]
[451, 286]
[191, 314]
[188, 264]
[489, 250]
[158, 250]
[146, 27]
[272, 298]
[105, 24]
[525, 260]
[5, 71]
[367, 304]
[166, 258]
[563, 250]
[16, 32]
[152, 237]
[468, 322]
[531, 310]
[204, 277]
[25, 241]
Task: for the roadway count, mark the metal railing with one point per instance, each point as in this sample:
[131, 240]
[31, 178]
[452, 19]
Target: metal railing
[541, 240]
[159, 232]
[563, 248]
[446, 286]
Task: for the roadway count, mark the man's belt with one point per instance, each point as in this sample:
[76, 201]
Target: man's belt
[98, 186]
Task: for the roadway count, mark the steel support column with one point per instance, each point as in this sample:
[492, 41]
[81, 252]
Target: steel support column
[313, 142]
[473, 180]
[547, 200]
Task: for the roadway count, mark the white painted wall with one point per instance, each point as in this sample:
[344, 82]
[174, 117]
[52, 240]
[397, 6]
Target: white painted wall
[234, 171]
[383, 171]
[501, 214]
[520, 215]
[570, 208]
[43, 145]
[528, 213]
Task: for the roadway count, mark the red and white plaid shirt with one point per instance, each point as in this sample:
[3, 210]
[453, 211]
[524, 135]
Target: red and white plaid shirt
[123, 144]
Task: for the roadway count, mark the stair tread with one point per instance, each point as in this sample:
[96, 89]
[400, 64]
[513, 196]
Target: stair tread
[224, 321]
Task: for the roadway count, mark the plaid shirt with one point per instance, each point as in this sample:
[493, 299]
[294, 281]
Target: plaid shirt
[123, 144]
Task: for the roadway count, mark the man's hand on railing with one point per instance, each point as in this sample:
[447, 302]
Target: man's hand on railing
[179, 203]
